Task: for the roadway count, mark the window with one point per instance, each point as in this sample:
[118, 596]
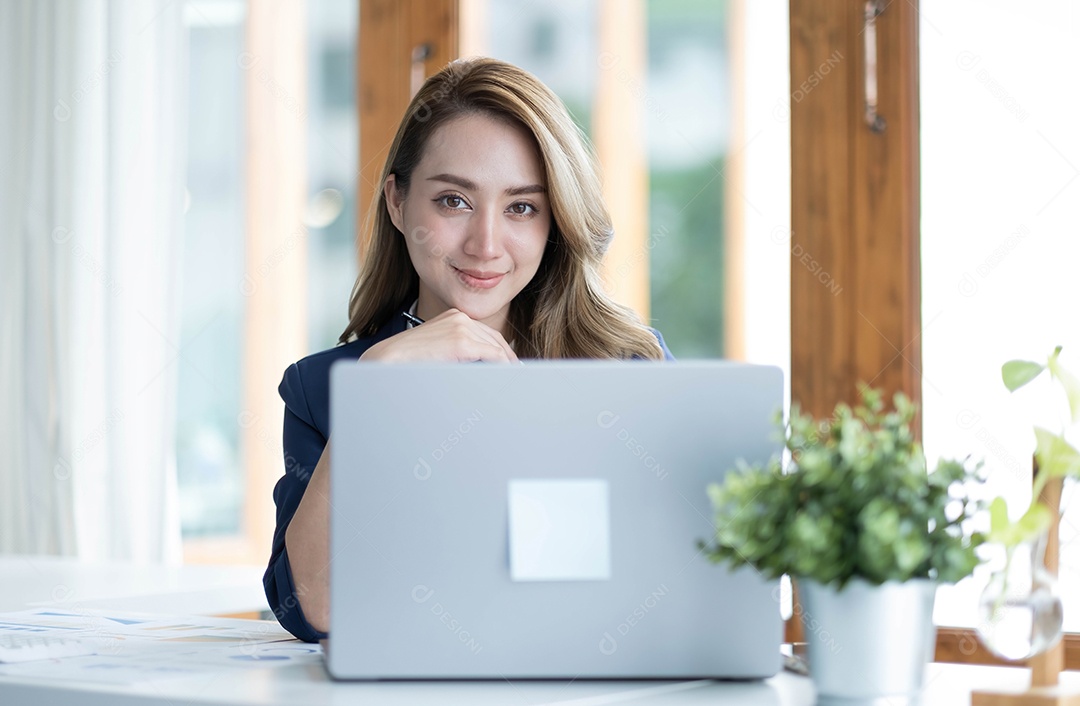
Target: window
[332, 128]
[210, 473]
[688, 106]
[269, 253]
[664, 86]
[698, 215]
[1001, 157]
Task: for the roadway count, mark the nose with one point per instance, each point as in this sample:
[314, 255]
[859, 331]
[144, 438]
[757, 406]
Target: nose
[483, 241]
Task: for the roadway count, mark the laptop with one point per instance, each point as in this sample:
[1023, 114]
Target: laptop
[539, 521]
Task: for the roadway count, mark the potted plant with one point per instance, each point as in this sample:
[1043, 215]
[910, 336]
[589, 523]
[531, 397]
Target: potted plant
[1020, 610]
[866, 533]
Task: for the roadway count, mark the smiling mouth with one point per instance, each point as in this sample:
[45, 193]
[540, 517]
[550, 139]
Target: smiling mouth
[477, 279]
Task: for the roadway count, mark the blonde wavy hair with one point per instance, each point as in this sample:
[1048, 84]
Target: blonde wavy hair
[563, 312]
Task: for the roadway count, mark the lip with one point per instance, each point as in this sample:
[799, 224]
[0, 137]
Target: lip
[479, 279]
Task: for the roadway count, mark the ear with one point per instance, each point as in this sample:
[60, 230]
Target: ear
[395, 202]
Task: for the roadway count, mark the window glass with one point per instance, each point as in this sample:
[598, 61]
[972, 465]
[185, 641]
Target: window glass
[1000, 160]
[209, 464]
[686, 104]
[557, 41]
[688, 108]
[209, 474]
[330, 221]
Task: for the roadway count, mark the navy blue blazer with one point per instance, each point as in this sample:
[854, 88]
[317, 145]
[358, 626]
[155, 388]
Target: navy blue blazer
[305, 388]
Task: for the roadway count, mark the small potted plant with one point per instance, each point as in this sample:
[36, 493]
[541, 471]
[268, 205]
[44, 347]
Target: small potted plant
[1020, 609]
[866, 533]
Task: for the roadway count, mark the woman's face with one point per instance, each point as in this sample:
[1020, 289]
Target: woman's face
[475, 219]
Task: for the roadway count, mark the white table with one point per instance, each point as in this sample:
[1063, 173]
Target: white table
[208, 590]
[308, 684]
[27, 580]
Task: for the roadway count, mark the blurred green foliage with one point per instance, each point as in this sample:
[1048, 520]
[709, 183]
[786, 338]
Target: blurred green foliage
[686, 214]
[686, 259]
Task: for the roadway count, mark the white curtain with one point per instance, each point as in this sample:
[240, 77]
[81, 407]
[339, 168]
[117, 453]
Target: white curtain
[92, 165]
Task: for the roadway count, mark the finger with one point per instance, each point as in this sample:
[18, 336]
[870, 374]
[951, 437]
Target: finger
[511, 356]
[460, 340]
[494, 338]
[481, 333]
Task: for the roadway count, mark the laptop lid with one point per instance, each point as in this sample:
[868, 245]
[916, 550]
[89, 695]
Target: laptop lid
[540, 520]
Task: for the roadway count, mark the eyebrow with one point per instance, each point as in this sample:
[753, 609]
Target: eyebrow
[471, 186]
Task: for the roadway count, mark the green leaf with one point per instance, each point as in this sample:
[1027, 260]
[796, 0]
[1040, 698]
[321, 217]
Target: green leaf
[1068, 381]
[999, 516]
[1034, 522]
[1056, 456]
[1017, 373]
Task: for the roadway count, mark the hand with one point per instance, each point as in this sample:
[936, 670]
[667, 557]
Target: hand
[450, 336]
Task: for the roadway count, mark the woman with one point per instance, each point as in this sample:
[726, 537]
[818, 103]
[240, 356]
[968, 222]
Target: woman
[488, 233]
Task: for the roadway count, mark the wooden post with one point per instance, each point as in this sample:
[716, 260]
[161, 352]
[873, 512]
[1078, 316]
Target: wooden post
[619, 137]
[400, 44]
[1045, 667]
[855, 307]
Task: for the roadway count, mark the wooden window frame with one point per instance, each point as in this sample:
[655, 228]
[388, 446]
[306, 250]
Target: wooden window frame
[389, 32]
[855, 215]
[854, 206]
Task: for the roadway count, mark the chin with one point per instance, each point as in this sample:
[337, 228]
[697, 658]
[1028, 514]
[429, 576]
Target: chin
[480, 310]
[479, 313]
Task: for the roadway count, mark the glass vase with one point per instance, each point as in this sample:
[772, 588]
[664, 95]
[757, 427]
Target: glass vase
[1020, 612]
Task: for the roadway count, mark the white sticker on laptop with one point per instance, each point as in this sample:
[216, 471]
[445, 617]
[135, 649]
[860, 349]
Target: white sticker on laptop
[559, 530]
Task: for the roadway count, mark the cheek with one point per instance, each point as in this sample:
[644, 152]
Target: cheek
[429, 248]
[424, 241]
[419, 242]
[537, 243]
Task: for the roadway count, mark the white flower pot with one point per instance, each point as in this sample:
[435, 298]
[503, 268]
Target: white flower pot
[868, 644]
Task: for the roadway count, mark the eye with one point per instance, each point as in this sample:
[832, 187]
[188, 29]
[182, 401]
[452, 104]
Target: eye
[522, 208]
[451, 202]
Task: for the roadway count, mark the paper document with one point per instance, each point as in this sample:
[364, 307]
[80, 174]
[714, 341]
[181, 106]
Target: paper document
[133, 647]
